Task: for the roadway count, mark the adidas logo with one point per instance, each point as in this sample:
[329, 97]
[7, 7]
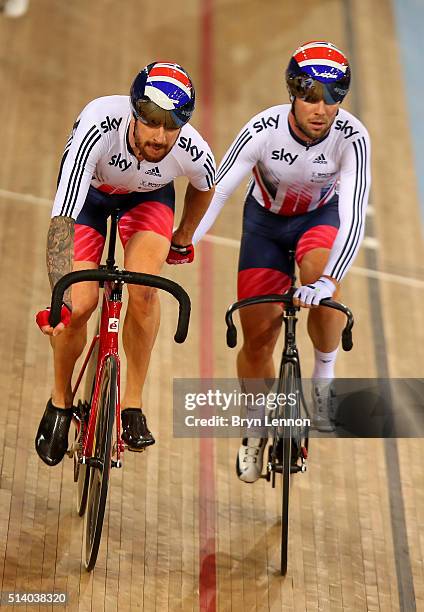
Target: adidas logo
[320, 159]
[153, 171]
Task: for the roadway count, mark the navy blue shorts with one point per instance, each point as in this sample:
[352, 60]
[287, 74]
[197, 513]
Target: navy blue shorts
[148, 211]
[267, 237]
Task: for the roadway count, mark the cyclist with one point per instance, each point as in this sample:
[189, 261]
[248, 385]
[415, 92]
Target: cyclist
[309, 190]
[123, 153]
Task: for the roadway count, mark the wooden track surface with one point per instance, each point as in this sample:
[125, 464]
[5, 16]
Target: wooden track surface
[356, 532]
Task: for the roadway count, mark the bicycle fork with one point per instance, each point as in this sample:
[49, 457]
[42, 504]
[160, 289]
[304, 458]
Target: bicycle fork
[290, 355]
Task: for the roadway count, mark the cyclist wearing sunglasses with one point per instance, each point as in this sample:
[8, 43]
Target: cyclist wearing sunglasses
[310, 162]
[123, 153]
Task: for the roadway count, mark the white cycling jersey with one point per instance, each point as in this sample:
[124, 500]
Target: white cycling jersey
[98, 153]
[292, 178]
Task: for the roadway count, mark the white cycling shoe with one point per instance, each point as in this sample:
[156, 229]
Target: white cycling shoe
[250, 459]
[14, 8]
[324, 406]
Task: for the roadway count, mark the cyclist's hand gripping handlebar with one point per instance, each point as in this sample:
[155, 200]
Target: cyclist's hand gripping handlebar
[131, 278]
[42, 319]
[286, 299]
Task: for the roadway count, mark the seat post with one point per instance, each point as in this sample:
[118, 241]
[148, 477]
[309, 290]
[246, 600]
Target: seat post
[110, 261]
[292, 266]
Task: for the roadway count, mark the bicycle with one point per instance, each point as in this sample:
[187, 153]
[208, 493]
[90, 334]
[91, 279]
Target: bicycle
[288, 452]
[97, 418]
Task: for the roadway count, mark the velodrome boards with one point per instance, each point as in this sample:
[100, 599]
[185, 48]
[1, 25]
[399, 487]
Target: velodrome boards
[178, 512]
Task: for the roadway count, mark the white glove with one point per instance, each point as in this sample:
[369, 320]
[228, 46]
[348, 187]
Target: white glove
[311, 295]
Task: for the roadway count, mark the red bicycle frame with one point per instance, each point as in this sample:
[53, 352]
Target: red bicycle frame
[108, 340]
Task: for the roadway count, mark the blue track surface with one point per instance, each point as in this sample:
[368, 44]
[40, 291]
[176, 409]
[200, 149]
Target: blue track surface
[410, 26]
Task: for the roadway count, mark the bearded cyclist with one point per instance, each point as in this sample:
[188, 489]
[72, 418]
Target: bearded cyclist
[309, 191]
[123, 153]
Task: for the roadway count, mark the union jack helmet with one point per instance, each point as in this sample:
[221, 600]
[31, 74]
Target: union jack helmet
[318, 71]
[162, 93]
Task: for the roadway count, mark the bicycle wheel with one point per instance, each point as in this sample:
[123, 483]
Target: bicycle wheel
[81, 470]
[100, 463]
[288, 386]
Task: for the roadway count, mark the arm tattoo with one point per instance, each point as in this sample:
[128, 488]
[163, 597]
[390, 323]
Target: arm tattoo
[60, 251]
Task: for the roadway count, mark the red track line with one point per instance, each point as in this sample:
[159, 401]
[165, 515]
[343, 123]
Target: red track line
[207, 526]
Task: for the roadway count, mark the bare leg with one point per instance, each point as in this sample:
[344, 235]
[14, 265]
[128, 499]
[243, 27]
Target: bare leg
[324, 325]
[68, 346]
[261, 326]
[145, 252]
[51, 440]
[324, 328]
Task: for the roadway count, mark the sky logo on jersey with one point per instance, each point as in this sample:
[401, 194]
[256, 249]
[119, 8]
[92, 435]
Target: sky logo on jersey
[284, 155]
[345, 128]
[195, 152]
[119, 162]
[322, 60]
[263, 124]
[110, 124]
[168, 86]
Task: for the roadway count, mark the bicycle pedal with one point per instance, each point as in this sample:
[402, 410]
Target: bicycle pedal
[298, 468]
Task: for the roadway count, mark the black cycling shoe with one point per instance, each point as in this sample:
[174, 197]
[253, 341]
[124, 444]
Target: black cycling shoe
[135, 432]
[51, 441]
